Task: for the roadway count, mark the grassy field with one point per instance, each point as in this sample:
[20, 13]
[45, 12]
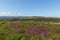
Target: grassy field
[29, 30]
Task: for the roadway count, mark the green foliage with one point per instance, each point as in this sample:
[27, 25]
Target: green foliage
[15, 37]
[37, 37]
[6, 28]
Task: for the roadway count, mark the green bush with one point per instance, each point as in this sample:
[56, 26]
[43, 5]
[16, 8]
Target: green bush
[15, 37]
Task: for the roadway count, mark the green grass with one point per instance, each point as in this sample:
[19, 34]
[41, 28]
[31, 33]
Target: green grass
[15, 37]
[6, 28]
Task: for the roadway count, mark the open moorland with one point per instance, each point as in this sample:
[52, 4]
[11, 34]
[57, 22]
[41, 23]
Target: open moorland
[29, 28]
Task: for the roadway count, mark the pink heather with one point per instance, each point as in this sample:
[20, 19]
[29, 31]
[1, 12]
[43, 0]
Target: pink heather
[15, 24]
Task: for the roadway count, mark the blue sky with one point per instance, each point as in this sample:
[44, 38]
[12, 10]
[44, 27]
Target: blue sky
[49, 8]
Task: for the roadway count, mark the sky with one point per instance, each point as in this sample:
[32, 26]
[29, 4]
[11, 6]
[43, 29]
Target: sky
[50, 8]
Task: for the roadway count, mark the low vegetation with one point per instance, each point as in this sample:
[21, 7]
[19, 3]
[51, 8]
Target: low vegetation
[29, 29]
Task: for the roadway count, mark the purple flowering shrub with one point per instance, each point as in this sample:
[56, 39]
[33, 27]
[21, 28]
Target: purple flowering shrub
[37, 30]
[15, 24]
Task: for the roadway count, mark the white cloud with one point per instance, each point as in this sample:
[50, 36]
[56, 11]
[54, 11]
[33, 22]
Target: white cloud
[9, 14]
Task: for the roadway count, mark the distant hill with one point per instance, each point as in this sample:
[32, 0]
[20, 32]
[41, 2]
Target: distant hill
[36, 18]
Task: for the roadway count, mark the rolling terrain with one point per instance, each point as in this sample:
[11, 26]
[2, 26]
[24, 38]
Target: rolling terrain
[29, 28]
